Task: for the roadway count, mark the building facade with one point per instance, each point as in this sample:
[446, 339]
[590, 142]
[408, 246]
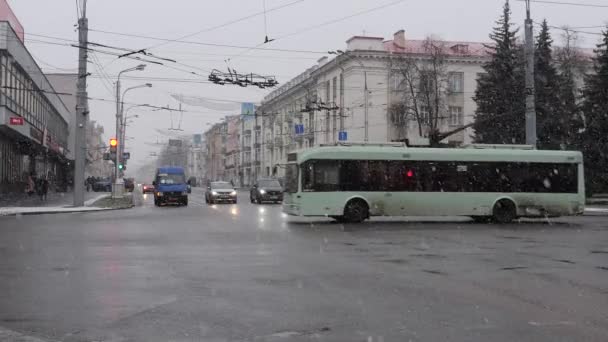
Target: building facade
[216, 139]
[246, 167]
[34, 121]
[231, 149]
[197, 158]
[350, 98]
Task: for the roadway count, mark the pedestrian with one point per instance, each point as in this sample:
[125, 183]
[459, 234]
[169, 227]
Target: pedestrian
[30, 189]
[45, 188]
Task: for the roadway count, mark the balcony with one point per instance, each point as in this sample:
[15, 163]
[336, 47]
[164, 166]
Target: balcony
[258, 128]
[247, 132]
[299, 137]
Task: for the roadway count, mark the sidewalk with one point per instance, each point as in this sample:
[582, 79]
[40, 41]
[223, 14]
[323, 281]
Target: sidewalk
[54, 199]
[16, 204]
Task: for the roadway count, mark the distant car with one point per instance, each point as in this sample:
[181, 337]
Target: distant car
[129, 184]
[218, 192]
[147, 188]
[103, 185]
[266, 190]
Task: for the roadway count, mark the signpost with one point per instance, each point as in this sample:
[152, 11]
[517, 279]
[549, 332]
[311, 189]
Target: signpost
[16, 121]
[299, 129]
[342, 136]
[126, 155]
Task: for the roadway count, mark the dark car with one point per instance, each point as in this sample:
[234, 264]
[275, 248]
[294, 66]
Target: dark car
[104, 184]
[129, 184]
[147, 188]
[266, 190]
[218, 192]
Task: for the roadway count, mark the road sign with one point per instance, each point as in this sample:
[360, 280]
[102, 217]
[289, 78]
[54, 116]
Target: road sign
[16, 121]
[126, 155]
[299, 129]
[342, 136]
[175, 143]
[247, 110]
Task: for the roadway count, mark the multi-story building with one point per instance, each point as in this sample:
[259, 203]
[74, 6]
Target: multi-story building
[197, 158]
[350, 98]
[231, 150]
[34, 121]
[215, 139]
[246, 175]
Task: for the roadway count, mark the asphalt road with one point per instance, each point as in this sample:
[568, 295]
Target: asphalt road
[247, 273]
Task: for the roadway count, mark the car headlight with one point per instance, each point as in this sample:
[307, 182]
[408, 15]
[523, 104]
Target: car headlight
[233, 193]
[262, 191]
[159, 194]
[214, 193]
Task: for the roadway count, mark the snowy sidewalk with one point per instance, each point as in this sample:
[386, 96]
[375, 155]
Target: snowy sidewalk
[54, 199]
[60, 204]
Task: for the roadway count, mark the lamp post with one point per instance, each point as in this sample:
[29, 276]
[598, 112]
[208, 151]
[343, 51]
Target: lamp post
[123, 124]
[118, 185]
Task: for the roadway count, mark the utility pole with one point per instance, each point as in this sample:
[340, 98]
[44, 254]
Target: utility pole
[117, 189]
[530, 100]
[366, 108]
[82, 109]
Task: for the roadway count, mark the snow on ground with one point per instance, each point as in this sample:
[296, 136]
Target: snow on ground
[46, 210]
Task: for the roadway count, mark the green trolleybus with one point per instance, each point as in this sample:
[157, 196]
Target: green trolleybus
[351, 182]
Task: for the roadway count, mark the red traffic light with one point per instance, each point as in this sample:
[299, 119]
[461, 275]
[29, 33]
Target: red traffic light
[113, 142]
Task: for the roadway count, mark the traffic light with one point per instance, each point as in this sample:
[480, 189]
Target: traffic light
[113, 144]
[121, 166]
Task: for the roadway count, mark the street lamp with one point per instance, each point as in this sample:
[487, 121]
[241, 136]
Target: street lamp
[117, 191]
[146, 85]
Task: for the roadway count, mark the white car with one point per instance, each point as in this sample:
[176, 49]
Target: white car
[220, 192]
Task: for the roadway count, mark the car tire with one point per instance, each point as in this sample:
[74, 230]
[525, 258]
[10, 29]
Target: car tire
[235, 201]
[356, 211]
[504, 211]
[185, 202]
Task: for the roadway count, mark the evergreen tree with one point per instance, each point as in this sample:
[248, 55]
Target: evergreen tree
[594, 106]
[500, 115]
[551, 120]
[570, 66]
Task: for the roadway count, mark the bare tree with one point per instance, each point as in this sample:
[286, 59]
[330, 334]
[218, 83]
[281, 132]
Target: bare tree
[423, 91]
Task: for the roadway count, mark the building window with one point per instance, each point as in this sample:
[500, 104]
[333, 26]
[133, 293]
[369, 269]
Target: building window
[424, 114]
[456, 116]
[456, 82]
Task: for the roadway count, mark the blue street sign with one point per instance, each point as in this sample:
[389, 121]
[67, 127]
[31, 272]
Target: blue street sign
[342, 136]
[299, 129]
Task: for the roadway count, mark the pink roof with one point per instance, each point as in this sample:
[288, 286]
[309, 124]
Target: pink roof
[452, 48]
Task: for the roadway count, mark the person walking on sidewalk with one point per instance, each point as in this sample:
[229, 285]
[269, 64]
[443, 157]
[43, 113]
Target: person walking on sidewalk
[42, 187]
[31, 187]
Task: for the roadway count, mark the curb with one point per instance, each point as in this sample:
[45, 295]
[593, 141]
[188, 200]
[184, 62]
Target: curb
[91, 210]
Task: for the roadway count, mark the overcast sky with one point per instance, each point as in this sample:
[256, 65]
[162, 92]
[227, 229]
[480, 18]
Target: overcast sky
[466, 20]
